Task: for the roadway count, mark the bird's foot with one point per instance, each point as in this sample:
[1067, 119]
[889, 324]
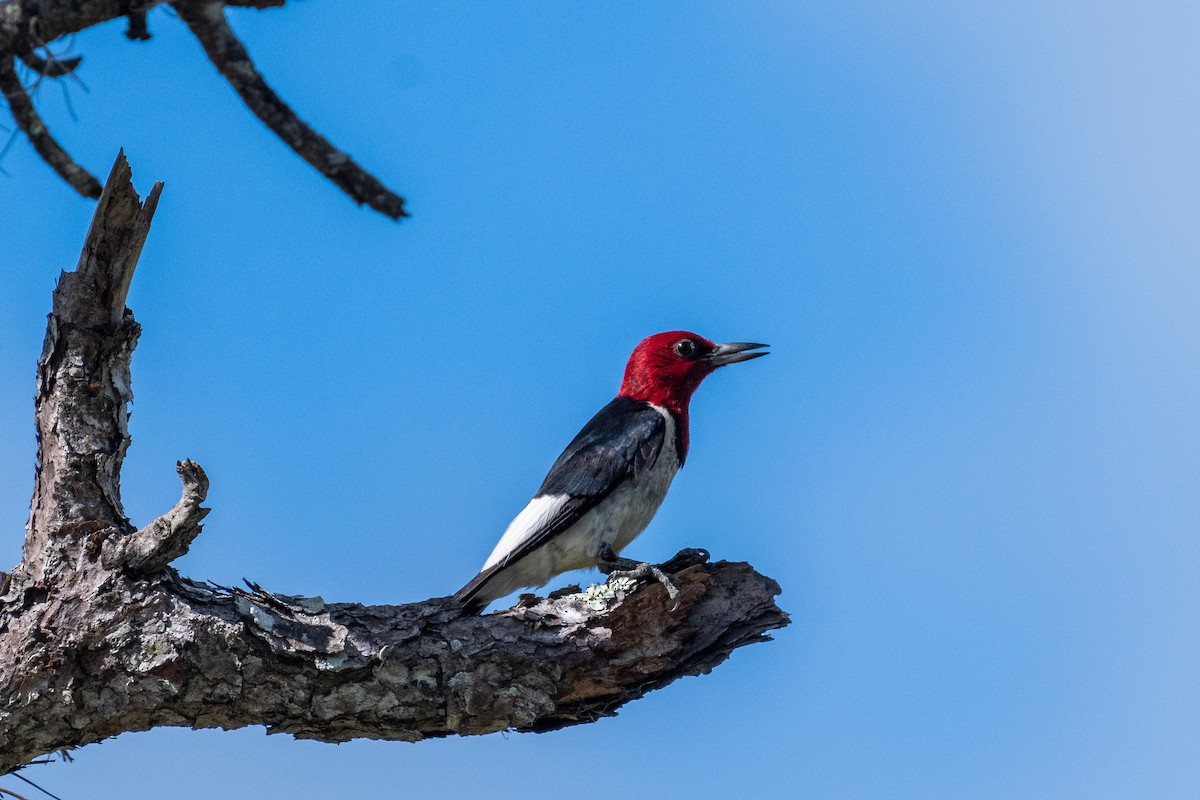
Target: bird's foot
[614, 566]
[641, 571]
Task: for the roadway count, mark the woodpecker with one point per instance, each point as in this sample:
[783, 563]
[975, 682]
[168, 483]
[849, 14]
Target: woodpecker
[607, 485]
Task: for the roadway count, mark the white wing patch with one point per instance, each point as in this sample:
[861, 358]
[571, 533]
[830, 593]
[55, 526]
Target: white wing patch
[532, 519]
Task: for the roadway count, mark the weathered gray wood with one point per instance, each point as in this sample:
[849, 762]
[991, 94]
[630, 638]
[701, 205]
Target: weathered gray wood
[99, 635]
[168, 536]
[83, 386]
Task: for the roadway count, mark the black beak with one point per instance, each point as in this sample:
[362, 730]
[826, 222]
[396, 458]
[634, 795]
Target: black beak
[733, 352]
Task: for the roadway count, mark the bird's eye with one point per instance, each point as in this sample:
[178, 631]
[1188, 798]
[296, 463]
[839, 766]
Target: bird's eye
[685, 348]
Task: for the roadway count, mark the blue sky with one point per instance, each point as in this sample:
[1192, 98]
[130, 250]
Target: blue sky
[972, 461]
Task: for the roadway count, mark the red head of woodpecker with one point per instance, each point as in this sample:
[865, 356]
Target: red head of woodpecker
[607, 485]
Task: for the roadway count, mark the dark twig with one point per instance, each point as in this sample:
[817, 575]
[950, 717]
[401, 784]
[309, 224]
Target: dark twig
[34, 785]
[27, 120]
[66, 93]
[51, 67]
[26, 25]
[207, 22]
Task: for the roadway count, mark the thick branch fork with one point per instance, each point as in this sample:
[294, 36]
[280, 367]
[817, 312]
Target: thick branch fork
[99, 635]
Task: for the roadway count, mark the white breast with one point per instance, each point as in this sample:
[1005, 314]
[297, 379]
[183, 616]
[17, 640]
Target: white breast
[615, 521]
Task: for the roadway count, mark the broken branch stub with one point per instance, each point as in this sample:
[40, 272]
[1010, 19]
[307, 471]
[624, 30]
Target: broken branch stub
[168, 536]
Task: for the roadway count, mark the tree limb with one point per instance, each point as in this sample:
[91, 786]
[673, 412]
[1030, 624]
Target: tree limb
[47, 20]
[99, 635]
[207, 22]
[173, 652]
[28, 24]
[83, 385]
[51, 67]
[28, 120]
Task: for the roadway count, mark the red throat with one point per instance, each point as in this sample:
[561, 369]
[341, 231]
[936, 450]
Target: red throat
[657, 374]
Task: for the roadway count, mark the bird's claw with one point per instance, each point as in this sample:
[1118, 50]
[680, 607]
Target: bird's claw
[614, 566]
[641, 571]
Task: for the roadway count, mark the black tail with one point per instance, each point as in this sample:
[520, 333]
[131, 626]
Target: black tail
[468, 595]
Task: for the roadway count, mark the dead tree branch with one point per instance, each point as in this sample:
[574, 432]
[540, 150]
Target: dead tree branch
[99, 635]
[207, 22]
[168, 536]
[83, 386]
[26, 25]
[51, 67]
[39, 22]
[30, 123]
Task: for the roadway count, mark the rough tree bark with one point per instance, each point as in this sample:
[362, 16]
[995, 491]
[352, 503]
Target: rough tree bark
[100, 635]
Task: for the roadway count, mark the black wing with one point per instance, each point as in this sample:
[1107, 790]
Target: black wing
[621, 442]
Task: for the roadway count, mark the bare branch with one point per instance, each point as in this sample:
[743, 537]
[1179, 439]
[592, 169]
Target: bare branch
[207, 21]
[51, 67]
[55, 18]
[30, 122]
[110, 252]
[168, 536]
[27, 24]
[178, 653]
